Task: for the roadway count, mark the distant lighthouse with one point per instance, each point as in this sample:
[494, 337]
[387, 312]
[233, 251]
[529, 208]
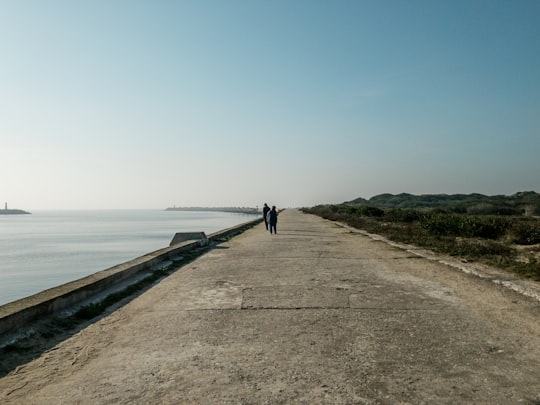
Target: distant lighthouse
[6, 207]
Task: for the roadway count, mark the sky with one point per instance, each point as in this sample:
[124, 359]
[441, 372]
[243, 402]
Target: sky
[130, 104]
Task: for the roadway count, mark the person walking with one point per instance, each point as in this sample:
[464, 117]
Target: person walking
[266, 208]
[272, 220]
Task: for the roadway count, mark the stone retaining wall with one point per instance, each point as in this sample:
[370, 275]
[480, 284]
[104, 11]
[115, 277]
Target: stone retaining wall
[20, 313]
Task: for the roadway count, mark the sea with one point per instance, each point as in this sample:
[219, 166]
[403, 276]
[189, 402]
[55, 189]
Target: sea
[49, 248]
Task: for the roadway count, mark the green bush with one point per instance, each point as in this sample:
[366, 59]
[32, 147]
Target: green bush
[526, 232]
[529, 270]
[490, 227]
[368, 211]
[492, 209]
[406, 215]
[473, 248]
[465, 225]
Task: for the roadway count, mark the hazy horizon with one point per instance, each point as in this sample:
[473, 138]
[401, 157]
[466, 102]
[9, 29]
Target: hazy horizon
[148, 105]
[259, 205]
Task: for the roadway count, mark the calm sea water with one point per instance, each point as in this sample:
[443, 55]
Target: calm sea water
[49, 248]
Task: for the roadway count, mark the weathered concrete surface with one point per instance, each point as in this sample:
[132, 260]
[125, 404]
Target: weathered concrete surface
[315, 314]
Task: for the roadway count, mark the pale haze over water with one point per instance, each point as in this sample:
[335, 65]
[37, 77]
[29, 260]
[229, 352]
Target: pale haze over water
[49, 248]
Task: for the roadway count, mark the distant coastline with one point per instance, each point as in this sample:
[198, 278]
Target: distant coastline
[13, 212]
[240, 210]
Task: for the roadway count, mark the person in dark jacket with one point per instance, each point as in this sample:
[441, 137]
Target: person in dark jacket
[272, 219]
[266, 208]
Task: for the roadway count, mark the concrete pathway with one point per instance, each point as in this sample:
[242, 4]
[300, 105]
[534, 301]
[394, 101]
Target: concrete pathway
[315, 314]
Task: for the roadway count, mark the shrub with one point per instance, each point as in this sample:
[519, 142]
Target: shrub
[529, 270]
[492, 209]
[473, 248]
[368, 211]
[526, 232]
[465, 225]
[440, 224]
[402, 215]
[489, 227]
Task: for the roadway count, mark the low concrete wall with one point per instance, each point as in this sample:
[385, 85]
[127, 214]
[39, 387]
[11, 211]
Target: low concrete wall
[20, 313]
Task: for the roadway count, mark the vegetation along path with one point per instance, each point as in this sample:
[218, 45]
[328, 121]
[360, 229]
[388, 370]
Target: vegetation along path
[315, 314]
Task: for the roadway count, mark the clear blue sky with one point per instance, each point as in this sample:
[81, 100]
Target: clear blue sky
[149, 104]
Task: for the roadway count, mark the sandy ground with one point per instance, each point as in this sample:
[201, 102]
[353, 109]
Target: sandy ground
[315, 314]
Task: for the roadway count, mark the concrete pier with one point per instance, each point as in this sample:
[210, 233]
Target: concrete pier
[314, 314]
